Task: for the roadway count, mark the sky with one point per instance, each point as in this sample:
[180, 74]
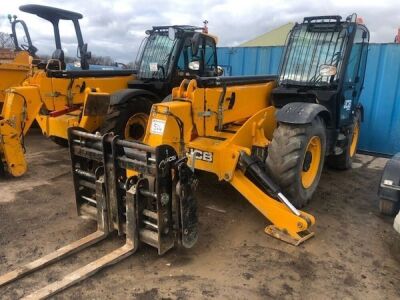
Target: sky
[116, 27]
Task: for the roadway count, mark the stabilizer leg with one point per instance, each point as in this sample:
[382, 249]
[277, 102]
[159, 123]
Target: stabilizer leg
[286, 225]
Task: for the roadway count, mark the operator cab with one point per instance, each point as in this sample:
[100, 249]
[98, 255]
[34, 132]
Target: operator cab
[170, 54]
[324, 62]
[54, 15]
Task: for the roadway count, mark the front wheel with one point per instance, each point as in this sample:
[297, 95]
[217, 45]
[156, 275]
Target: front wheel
[296, 158]
[128, 120]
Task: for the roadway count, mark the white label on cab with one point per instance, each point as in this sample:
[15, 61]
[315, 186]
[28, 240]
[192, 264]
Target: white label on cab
[153, 67]
[347, 104]
[157, 126]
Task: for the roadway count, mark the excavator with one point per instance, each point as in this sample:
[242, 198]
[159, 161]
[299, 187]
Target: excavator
[268, 136]
[58, 98]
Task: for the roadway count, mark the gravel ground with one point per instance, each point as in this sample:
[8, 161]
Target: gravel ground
[354, 254]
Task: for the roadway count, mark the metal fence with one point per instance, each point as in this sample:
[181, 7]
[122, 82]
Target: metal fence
[380, 131]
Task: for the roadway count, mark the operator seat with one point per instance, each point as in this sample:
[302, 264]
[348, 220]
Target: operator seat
[57, 58]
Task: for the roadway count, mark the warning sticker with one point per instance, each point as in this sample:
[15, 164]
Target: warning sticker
[157, 126]
[153, 67]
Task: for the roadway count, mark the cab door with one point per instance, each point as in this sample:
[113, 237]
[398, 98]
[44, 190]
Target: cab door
[354, 75]
[206, 58]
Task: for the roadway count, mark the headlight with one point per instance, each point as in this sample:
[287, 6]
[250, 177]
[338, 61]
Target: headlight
[194, 65]
[327, 70]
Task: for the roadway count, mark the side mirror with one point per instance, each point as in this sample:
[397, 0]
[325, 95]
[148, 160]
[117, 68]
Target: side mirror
[87, 54]
[84, 48]
[171, 33]
[82, 51]
[194, 65]
[220, 71]
[196, 40]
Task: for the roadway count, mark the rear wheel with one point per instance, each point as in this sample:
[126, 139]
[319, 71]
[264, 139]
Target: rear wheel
[387, 207]
[296, 158]
[344, 160]
[128, 120]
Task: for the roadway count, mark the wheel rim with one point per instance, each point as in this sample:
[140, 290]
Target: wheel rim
[311, 162]
[354, 139]
[135, 128]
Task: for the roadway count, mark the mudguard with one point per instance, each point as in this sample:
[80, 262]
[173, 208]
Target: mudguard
[389, 187]
[125, 95]
[302, 113]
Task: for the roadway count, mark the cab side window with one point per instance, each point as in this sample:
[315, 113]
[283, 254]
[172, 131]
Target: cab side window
[206, 55]
[185, 57]
[209, 56]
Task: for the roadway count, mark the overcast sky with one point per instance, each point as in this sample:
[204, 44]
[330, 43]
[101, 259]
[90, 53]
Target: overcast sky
[116, 28]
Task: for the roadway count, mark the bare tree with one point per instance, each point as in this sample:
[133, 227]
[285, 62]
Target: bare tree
[6, 41]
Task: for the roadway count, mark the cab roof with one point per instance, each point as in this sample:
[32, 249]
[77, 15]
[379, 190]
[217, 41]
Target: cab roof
[51, 14]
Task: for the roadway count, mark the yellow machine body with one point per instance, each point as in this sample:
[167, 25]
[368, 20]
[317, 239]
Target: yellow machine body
[56, 104]
[14, 72]
[190, 124]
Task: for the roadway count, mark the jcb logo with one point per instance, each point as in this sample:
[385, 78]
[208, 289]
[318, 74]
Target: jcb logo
[201, 155]
[167, 160]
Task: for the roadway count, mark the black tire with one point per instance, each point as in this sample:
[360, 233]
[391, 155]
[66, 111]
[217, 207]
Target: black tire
[168, 98]
[288, 157]
[344, 160]
[59, 141]
[2, 169]
[387, 207]
[119, 115]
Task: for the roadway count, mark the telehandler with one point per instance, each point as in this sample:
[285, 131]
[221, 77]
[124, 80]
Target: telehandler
[266, 135]
[13, 73]
[97, 100]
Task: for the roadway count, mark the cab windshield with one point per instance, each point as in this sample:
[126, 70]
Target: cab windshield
[156, 55]
[308, 49]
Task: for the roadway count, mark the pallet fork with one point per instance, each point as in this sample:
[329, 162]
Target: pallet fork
[141, 207]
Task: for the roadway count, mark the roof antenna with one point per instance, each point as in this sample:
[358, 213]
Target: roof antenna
[205, 28]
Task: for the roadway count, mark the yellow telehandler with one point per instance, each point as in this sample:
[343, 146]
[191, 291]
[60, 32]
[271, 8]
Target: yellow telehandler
[268, 136]
[98, 100]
